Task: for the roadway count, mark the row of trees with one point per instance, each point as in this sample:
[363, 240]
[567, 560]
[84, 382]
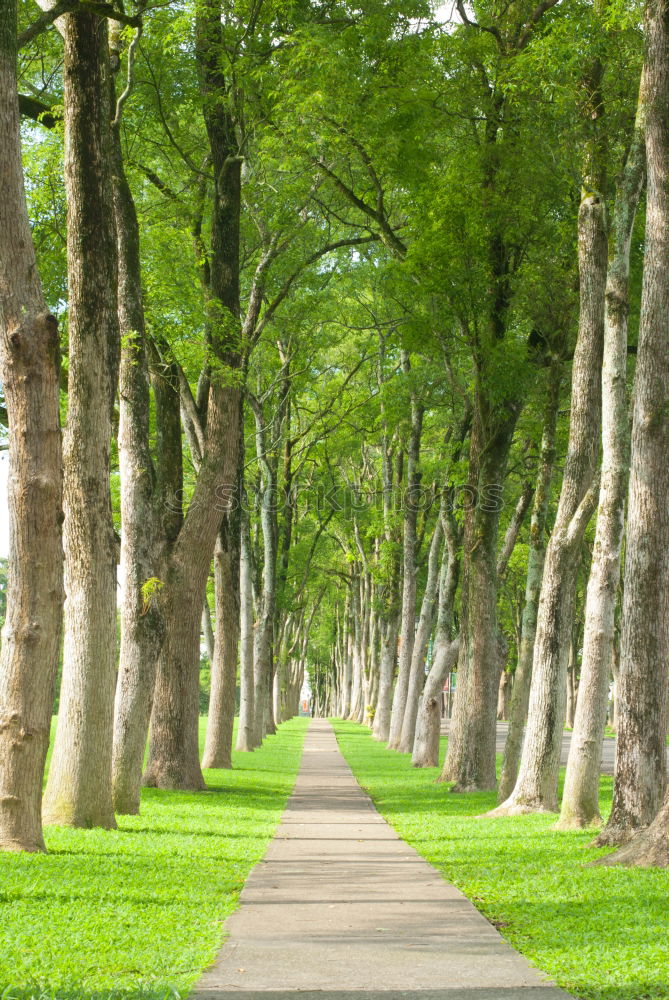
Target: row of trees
[347, 364]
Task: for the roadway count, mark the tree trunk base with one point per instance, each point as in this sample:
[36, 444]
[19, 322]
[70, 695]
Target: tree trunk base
[27, 846]
[576, 822]
[614, 836]
[126, 807]
[647, 850]
[483, 786]
[63, 815]
[425, 761]
[217, 763]
[509, 808]
[174, 778]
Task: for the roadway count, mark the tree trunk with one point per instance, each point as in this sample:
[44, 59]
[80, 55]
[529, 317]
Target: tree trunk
[641, 752]
[580, 803]
[408, 619]
[207, 629]
[142, 624]
[79, 787]
[471, 756]
[29, 372]
[615, 671]
[220, 723]
[504, 695]
[428, 722]
[428, 727]
[173, 754]
[390, 629]
[536, 786]
[417, 674]
[245, 739]
[572, 685]
[264, 635]
[535, 565]
[174, 759]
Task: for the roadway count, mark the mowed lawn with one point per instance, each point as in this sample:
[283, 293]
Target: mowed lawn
[137, 912]
[600, 933]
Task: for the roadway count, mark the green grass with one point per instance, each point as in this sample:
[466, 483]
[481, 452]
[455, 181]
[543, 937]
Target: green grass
[137, 912]
[600, 933]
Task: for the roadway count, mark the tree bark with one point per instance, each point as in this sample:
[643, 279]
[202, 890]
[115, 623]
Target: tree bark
[390, 597]
[29, 372]
[79, 787]
[417, 674]
[640, 772]
[572, 686]
[173, 754]
[536, 786]
[142, 623]
[504, 695]
[428, 723]
[207, 630]
[408, 615]
[471, 755]
[535, 565]
[245, 739]
[580, 802]
[264, 634]
[218, 745]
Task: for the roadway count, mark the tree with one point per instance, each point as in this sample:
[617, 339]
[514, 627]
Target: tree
[78, 791]
[174, 752]
[580, 803]
[640, 772]
[29, 372]
[536, 785]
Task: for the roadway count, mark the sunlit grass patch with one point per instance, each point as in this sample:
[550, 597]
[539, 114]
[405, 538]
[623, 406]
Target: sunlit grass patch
[137, 912]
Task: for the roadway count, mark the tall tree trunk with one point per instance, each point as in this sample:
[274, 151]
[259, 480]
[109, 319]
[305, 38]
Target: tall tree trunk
[504, 696]
[174, 759]
[29, 367]
[245, 739]
[142, 624]
[536, 786]
[218, 745]
[208, 630]
[535, 565]
[580, 802]
[417, 674]
[572, 686]
[471, 756]
[220, 721]
[390, 552]
[173, 754]
[428, 723]
[640, 771]
[264, 634]
[408, 619]
[79, 787]
[390, 629]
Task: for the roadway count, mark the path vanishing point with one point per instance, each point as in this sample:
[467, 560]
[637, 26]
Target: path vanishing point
[341, 909]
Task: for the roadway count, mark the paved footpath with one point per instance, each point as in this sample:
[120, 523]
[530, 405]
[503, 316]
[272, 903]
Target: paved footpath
[342, 909]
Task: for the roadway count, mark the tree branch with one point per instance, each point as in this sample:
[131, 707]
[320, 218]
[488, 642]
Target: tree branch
[491, 29]
[533, 20]
[41, 113]
[45, 21]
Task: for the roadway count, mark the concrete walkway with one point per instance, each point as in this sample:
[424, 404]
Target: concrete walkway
[341, 908]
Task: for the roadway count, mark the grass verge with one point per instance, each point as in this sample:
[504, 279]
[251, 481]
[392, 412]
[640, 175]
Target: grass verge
[137, 912]
[600, 933]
